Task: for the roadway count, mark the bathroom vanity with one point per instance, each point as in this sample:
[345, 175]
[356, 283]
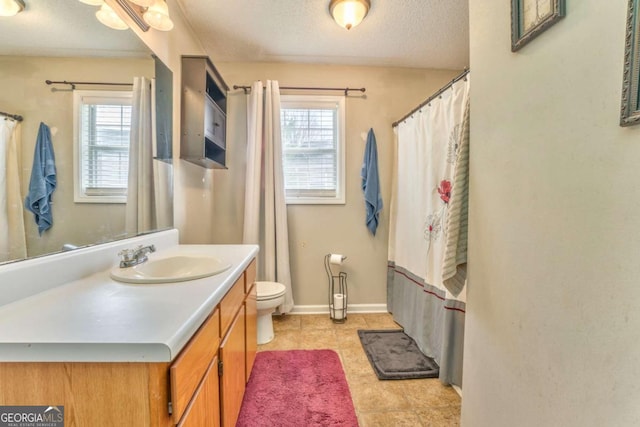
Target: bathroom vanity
[116, 354]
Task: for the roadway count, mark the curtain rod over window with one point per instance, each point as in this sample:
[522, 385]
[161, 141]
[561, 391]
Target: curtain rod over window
[460, 76]
[11, 116]
[73, 84]
[346, 90]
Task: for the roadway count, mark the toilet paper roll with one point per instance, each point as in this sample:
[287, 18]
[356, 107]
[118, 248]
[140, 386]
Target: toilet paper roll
[338, 301]
[339, 308]
[337, 259]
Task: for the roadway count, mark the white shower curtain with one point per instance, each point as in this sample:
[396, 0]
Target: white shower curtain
[427, 241]
[265, 212]
[13, 243]
[140, 210]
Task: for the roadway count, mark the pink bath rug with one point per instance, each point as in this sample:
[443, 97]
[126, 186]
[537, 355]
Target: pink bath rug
[297, 388]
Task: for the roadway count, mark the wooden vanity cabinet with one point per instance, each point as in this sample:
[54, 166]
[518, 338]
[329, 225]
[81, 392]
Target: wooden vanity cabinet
[187, 392]
[93, 394]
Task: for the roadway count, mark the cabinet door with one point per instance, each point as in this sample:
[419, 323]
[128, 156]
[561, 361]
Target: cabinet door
[251, 338]
[189, 368]
[232, 382]
[204, 410]
[214, 123]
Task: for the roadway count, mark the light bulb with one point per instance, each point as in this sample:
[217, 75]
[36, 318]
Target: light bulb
[110, 18]
[11, 7]
[157, 16]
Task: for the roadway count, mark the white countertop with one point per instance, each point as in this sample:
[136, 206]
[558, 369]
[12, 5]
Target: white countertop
[97, 319]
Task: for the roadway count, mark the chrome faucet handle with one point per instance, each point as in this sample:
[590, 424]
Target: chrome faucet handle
[127, 257]
[143, 250]
[126, 254]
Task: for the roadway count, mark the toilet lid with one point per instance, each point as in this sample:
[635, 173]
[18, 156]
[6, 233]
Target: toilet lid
[266, 290]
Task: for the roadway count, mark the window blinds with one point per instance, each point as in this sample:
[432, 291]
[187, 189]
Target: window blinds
[105, 127]
[309, 143]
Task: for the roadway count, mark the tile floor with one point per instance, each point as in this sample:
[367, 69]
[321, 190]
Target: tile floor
[411, 403]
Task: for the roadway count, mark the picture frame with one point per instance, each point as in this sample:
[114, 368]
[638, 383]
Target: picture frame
[529, 18]
[630, 106]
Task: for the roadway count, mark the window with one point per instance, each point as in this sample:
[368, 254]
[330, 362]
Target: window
[313, 149]
[102, 124]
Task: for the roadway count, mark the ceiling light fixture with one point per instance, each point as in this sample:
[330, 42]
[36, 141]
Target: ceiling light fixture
[157, 16]
[92, 2]
[349, 13]
[110, 18]
[11, 7]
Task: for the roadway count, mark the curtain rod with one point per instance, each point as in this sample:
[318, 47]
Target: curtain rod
[346, 90]
[460, 76]
[73, 84]
[11, 116]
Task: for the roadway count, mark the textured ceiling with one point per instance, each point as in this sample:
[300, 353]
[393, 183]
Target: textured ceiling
[403, 33]
[64, 28]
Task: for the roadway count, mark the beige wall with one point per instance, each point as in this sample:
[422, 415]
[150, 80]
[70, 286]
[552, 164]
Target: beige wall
[552, 315]
[315, 230]
[23, 91]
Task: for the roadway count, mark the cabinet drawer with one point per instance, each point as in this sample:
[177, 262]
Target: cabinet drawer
[190, 366]
[250, 276]
[230, 305]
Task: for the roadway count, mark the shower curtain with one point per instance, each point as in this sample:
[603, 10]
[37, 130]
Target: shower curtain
[162, 172]
[265, 209]
[427, 242]
[139, 216]
[13, 243]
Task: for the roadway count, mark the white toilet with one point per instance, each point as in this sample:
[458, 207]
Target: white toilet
[270, 295]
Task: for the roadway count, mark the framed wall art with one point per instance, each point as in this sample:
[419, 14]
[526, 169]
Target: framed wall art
[529, 18]
[630, 107]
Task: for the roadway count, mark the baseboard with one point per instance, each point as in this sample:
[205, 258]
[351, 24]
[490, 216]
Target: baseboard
[457, 389]
[352, 308]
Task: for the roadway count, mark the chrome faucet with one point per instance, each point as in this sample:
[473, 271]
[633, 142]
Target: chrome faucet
[131, 257]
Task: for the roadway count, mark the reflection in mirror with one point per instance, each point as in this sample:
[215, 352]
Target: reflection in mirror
[103, 147]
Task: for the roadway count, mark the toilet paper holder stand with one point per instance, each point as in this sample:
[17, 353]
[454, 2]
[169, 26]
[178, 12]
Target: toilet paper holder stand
[337, 292]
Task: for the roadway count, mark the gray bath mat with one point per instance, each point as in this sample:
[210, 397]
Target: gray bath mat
[394, 355]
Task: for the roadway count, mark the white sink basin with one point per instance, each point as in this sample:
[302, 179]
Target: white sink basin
[178, 268]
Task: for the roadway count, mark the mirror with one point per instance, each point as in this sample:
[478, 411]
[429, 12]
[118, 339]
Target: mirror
[61, 40]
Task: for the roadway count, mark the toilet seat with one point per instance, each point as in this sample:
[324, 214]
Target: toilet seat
[269, 290]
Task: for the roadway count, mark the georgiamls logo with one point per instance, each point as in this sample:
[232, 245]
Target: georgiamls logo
[32, 416]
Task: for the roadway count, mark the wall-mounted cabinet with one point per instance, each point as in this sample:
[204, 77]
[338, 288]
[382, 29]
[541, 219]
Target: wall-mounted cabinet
[204, 113]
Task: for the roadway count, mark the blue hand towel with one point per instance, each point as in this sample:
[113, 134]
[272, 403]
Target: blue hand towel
[43, 180]
[371, 183]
